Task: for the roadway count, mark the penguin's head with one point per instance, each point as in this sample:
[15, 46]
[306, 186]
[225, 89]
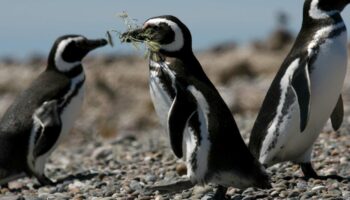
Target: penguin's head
[329, 5]
[321, 8]
[171, 36]
[69, 50]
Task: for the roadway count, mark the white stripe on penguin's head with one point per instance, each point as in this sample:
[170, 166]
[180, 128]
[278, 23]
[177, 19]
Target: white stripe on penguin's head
[316, 13]
[61, 64]
[178, 42]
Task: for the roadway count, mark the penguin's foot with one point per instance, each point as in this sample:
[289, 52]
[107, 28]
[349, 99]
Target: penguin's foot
[309, 172]
[291, 177]
[44, 181]
[220, 194]
[172, 187]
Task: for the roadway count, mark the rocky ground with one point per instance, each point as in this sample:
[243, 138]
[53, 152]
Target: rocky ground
[117, 148]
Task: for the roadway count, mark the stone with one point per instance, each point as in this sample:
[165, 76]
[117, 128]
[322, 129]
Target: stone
[181, 169]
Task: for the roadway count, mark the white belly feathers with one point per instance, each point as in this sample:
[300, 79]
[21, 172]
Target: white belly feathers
[285, 142]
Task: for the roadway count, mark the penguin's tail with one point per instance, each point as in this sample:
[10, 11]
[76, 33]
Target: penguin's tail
[8, 175]
[265, 183]
[262, 178]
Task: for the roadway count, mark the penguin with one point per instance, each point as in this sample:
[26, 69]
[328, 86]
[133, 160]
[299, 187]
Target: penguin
[44, 113]
[306, 91]
[200, 126]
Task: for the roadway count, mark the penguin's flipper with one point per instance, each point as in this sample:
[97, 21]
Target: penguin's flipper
[301, 85]
[180, 112]
[338, 114]
[50, 127]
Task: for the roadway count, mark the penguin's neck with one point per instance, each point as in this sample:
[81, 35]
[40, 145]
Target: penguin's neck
[71, 74]
[313, 15]
[315, 11]
[77, 80]
[189, 65]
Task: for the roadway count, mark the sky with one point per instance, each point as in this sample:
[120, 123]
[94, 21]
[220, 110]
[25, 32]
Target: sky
[29, 27]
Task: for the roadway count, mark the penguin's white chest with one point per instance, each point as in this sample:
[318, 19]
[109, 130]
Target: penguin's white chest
[161, 99]
[160, 95]
[71, 112]
[326, 80]
[68, 116]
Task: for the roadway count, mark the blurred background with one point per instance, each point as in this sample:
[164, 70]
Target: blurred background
[240, 44]
[28, 28]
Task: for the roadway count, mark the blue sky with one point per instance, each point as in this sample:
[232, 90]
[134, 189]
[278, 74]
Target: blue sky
[32, 26]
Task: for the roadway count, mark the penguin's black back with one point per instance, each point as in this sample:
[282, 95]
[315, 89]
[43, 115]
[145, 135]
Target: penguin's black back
[17, 122]
[18, 118]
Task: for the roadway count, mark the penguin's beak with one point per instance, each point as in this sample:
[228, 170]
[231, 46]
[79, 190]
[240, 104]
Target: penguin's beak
[92, 44]
[135, 35]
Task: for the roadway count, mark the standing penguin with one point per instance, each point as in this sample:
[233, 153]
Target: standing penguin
[201, 127]
[306, 90]
[40, 116]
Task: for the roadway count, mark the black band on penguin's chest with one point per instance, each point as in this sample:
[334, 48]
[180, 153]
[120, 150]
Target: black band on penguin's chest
[164, 78]
[74, 72]
[64, 101]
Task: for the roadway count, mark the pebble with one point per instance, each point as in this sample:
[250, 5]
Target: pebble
[301, 185]
[318, 187]
[333, 193]
[317, 181]
[101, 152]
[43, 195]
[249, 198]
[343, 160]
[199, 192]
[150, 178]
[158, 197]
[186, 194]
[294, 194]
[330, 171]
[283, 194]
[124, 179]
[14, 185]
[75, 187]
[346, 194]
[135, 185]
[181, 169]
[274, 193]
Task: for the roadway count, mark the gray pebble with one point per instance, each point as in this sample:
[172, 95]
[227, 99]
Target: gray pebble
[135, 185]
[294, 194]
[186, 194]
[150, 178]
[346, 194]
[43, 195]
[249, 198]
[318, 187]
[12, 197]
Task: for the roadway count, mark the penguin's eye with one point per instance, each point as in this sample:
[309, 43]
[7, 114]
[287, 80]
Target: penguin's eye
[152, 29]
[80, 43]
